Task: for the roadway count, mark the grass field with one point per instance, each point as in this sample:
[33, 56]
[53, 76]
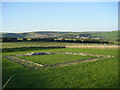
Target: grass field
[54, 58]
[97, 74]
[42, 44]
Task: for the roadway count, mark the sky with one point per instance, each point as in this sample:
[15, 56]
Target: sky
[59, 16]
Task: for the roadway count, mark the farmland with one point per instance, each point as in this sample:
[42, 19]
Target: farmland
[102, 73]
[43, 43]
[112, 35]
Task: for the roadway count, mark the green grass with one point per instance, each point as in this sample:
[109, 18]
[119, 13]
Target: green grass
[108, 35]
[54, 58]
[98, 74]
[113, 51]
[112, 35]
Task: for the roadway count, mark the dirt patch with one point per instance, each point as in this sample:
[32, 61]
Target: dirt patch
[94, 46]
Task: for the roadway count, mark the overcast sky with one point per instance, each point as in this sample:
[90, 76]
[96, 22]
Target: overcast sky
[59, 16]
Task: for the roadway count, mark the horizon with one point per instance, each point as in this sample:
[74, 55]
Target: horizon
[58, 31]
[68, 16]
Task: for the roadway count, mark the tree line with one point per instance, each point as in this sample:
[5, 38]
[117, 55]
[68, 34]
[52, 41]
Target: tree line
[13, 39]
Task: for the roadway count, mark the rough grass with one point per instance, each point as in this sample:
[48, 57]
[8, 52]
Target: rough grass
[42, 43]
[54, 58]
[98, 74]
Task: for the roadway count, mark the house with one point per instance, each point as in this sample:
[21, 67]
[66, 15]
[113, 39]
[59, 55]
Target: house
[84, 37]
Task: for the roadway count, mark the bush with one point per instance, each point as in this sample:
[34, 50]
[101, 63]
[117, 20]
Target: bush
[9, 39]
[24, 39]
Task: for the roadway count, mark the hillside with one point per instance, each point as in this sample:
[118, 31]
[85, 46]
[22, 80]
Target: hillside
[113, 35]
[108, 35]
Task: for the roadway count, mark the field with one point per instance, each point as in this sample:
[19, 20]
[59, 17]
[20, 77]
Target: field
[42, 44]
[112, 35]
[54, 58]
[101, 73]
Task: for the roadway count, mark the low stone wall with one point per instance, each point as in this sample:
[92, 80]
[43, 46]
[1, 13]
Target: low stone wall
[37, 66]
[47, 53]
[84, 54]
[25, 63]
[32, 53]
[71, 62]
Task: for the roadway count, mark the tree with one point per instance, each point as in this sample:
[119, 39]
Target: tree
[24, 39]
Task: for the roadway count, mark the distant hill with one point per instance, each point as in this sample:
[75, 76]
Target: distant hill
[108, 35]
[113, 35]
[42, 34]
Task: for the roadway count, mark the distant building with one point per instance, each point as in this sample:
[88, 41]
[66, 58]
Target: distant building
[84, 37]
[77, 37]
[96, 38]
[60, 38]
